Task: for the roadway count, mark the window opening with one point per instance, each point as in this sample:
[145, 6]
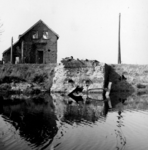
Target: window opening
[45, 35]
[35, 35]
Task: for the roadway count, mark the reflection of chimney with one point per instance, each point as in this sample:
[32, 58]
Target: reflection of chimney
[119, 45]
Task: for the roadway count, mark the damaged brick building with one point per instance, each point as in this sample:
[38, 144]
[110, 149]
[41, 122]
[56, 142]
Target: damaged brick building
[37, 45]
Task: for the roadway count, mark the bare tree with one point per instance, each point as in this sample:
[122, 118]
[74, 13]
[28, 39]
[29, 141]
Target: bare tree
[1, 30]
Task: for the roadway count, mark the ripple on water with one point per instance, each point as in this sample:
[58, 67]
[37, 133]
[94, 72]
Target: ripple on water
[9, 137]
[136, 127]
[80, 127]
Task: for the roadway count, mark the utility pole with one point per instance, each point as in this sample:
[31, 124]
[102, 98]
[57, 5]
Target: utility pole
[22, 52]
[11, 53]
[119, 44]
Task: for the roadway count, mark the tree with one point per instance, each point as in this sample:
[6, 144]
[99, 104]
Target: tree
[1, 30]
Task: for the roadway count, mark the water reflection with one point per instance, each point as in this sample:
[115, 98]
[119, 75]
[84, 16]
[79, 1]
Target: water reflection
[60, 122]
[122, 101]
[121, 139]
[34, 118]
[73, 110]
[133, 107]
[1, 104]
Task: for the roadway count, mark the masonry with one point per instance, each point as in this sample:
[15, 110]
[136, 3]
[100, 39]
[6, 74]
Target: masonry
[128, 77]
[38, 45]
[70, 73]
[65, 76]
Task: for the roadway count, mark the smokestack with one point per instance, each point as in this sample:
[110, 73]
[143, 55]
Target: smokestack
[119, 44]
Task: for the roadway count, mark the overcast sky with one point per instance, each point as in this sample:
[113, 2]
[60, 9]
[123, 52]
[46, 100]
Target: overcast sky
[87, 28]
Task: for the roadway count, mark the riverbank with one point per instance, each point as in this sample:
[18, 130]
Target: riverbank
[129, 78]
[62, 78]
[26, 78]
[90, 75]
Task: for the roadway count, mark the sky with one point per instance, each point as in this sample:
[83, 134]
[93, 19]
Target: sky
[87, 29]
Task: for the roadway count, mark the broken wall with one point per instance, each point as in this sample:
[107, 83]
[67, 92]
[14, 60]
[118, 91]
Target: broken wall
[86, 74]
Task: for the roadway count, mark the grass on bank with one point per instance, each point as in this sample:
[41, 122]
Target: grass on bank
[36, 73]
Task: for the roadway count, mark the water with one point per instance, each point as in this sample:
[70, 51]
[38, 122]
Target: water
[53, 122]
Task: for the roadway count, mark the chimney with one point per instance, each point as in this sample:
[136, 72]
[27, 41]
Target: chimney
[119, 44]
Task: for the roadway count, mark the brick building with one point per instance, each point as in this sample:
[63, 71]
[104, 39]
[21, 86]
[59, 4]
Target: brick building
[37, 45]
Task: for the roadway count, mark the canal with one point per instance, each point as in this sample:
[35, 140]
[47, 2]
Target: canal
[57, 122]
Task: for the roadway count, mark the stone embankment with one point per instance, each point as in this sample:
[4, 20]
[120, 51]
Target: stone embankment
[90, 75]
[71, 73]
[129, 78]
[63, 77]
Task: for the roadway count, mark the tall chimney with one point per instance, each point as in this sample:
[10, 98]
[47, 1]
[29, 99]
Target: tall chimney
[119, 44]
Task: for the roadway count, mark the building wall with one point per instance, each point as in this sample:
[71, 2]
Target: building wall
[49, 46]
[31, 46]
[6, 57]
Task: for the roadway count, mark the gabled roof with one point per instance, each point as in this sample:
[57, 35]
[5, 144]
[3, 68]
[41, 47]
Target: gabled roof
[40, 21]
[10, 47]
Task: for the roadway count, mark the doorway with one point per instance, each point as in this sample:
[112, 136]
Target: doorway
[40, 56]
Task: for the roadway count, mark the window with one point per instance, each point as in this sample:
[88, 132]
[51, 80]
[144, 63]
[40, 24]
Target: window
[45, 35]
[35, 35]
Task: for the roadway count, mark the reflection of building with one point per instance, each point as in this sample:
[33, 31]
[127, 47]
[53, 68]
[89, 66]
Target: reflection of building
[37, 45]
[34, 118]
